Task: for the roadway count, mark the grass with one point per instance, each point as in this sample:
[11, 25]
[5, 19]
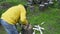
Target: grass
[51, 17]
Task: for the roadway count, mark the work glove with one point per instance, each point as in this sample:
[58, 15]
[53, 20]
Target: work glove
[27, 29]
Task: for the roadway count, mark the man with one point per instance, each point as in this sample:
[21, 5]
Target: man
[12, 16]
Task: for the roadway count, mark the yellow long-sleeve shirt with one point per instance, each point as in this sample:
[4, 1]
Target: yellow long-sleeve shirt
[14, 14]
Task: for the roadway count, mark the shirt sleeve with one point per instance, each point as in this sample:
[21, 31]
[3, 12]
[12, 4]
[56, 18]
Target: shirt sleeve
[23, 15]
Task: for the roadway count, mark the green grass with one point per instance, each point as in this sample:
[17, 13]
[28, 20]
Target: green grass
[51, 17]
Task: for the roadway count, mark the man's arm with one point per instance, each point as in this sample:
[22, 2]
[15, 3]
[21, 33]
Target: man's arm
[23, 15]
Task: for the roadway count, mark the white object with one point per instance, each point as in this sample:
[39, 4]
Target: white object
[20, 33]
[45, 3]
[38, 28]
[42, 23]
[42, 5]
[50, 2]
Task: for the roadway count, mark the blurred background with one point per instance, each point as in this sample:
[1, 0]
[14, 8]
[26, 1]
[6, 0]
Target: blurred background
[49, 14]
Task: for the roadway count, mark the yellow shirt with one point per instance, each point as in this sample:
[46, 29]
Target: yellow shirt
[14, 14]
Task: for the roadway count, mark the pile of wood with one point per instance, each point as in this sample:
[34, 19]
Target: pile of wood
[41, 3]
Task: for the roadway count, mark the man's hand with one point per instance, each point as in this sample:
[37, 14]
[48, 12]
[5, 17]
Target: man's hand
[27, 29]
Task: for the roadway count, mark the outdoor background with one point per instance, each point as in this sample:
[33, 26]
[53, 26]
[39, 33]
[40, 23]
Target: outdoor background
[51, 16]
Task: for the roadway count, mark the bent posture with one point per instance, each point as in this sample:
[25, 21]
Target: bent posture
[12, 16]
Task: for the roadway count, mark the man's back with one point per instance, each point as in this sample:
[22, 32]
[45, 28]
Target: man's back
[11, 15]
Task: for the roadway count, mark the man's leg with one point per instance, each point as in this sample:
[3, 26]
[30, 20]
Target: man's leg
[9, 28]
[0, 21]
